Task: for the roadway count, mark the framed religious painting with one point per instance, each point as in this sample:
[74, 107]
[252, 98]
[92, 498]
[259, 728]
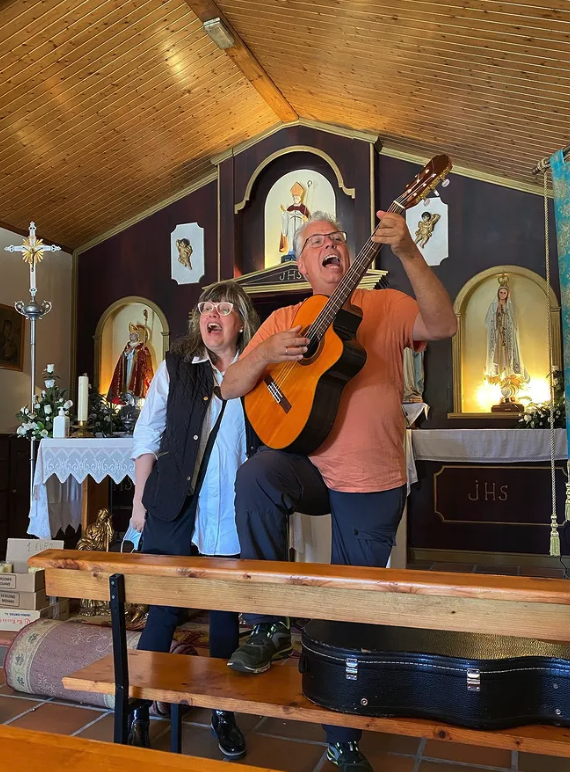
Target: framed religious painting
[12, 329]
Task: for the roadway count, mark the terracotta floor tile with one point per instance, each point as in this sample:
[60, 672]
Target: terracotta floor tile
[378, 742]
[299, 730]
[262, 751]
[246, 721]
[437, 766]
[385, 763]
[467, 754]
[530, 762]
[9, 707]
[60, 719]
[283, 754]
[103, 729]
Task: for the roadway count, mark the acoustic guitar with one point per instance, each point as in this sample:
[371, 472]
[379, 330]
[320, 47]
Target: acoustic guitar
[294, 405]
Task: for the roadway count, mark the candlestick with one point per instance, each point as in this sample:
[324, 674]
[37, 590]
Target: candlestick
[82, 397]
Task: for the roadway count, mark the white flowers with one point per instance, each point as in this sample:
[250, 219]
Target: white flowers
[49, 369]
[47, 409]
[50, 383]
[68, 404]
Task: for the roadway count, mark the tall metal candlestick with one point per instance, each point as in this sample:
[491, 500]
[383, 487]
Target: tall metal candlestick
[32, 251]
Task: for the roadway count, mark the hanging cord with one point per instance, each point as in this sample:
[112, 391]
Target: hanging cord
[554, 536]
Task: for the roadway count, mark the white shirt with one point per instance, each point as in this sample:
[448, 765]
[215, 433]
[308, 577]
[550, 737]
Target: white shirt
[215, 531]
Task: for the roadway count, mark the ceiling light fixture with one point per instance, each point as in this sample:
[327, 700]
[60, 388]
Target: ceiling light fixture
[220, 34]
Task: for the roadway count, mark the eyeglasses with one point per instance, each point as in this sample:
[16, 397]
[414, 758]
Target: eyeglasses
[318, 239]
[224, 308]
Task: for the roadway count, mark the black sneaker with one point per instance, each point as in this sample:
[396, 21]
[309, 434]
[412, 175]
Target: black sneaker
[230, 738]
[348, 758]
[266, 643]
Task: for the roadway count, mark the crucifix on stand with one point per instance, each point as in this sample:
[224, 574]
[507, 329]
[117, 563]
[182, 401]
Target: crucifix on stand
[32, 250]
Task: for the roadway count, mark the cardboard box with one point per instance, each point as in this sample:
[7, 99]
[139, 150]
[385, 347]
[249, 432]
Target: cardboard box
[27, 600]
[15, 619]
[18, 552]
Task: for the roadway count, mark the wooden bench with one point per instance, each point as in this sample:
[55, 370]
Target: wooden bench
[471, 603]
[42, 752]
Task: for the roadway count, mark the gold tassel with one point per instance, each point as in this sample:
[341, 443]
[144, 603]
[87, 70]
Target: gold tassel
[554, 540]
[567, 504]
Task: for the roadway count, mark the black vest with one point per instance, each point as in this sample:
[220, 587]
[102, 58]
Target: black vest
[170, 482]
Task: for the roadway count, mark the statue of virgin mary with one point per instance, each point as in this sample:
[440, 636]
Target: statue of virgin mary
[504, 357]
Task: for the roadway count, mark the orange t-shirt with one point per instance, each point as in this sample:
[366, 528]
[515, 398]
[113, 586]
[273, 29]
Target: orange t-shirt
[365, 450]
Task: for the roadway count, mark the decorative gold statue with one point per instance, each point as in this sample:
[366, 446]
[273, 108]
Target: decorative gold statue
[425, 228]
[185, 250]
[98, 538]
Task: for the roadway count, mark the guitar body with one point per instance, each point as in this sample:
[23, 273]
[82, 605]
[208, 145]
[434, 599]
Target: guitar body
[295, 404]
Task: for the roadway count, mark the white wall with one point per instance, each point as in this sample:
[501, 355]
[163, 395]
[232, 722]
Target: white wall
[53, 332]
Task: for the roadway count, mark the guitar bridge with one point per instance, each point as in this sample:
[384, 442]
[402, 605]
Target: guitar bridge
[277, 394]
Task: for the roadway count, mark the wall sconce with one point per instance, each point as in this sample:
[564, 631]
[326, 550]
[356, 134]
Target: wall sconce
[220, 34]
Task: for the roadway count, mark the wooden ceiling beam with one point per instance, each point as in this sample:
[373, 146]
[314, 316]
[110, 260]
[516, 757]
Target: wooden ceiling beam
[242, 57]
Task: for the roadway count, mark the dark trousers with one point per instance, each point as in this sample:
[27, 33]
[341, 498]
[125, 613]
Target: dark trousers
[161, 537]
[272, 485]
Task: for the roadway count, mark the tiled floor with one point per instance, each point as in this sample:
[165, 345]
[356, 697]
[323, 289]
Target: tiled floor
[291, 746]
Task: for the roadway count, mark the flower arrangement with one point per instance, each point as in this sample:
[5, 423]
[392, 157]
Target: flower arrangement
[102, 416]
[537, 416]
[37, 421]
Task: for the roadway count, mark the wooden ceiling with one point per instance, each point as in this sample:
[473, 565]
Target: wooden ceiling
[108, 107]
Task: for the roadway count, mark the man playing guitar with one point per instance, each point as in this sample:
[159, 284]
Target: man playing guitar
[359, 473]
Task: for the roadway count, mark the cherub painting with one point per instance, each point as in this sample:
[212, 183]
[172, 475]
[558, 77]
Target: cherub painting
[185, 250]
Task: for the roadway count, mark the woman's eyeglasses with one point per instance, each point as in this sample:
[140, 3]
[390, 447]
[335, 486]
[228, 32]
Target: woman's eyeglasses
[224, 308]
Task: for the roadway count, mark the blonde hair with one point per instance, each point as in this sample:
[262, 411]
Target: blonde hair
[192, 345]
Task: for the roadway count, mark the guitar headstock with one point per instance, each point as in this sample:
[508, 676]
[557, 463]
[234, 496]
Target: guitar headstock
[434, 172]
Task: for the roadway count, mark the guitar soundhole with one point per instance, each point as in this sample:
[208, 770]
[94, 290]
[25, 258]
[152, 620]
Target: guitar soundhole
[313, 351]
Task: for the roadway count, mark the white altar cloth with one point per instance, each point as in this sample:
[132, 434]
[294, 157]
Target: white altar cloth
[487, 446]
[71, 460]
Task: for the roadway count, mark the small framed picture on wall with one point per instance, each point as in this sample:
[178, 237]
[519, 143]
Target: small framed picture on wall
[12, 327]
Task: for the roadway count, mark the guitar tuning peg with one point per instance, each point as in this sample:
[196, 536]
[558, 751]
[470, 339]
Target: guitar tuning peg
[445, 183]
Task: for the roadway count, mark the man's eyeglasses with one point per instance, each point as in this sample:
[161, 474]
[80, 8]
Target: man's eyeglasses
[224, 308]
[318, 239]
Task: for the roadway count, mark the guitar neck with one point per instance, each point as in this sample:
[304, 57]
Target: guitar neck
[346, 286]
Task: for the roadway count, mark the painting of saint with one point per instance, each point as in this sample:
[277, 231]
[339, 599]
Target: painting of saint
[11, 339]
[293, 217]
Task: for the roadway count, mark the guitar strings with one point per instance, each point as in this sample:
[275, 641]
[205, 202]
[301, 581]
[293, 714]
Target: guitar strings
[326, 316]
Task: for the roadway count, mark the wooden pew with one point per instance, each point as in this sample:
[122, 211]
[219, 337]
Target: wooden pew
[43, 752]
[508, 605]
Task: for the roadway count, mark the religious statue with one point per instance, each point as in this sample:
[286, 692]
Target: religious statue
[133, 371]
[293, 217]
[97, 538]
[504, 358]
[99, 535]
[413, 375]
[425, 228]
[185, 250]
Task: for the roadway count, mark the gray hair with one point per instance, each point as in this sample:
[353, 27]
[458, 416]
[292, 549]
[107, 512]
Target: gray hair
[298, 238]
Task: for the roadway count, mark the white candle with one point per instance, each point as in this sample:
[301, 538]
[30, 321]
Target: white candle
[32, 275]
[82, 397]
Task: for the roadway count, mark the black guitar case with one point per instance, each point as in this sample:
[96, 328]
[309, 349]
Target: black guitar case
[476, 681]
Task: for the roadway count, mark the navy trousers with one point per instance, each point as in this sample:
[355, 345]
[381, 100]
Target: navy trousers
[272, 485]
[175, 538]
